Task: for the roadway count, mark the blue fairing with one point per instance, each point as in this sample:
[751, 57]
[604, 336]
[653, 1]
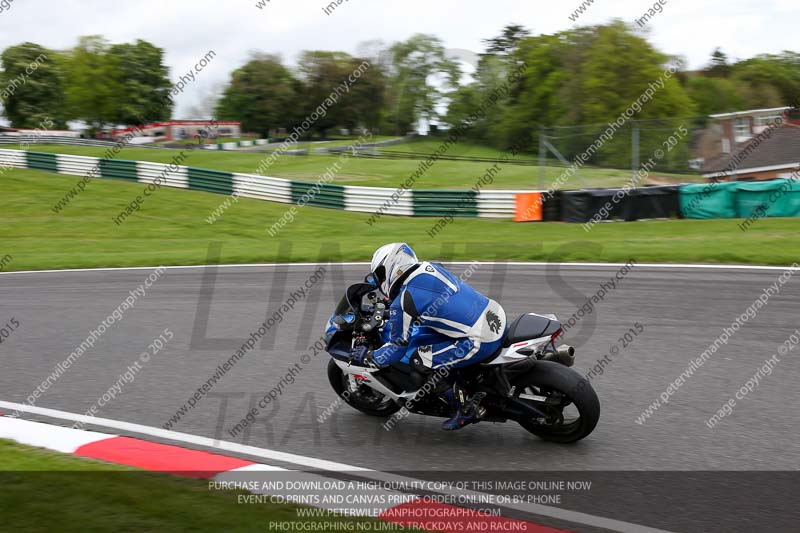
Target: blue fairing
[331, 327]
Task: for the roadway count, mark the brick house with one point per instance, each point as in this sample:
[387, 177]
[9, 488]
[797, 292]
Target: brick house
[773, 152]
[185, 129]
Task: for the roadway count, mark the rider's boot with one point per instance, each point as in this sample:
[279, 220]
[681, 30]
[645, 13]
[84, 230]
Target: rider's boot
[466, 411]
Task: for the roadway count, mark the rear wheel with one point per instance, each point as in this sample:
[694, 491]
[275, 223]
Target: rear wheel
[361, 397]
[569, 402]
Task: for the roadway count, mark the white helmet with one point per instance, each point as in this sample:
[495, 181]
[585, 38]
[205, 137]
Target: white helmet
[391, 261]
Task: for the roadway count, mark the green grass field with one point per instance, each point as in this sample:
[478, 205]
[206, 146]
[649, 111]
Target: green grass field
[382, 172]
[171, 229]
[305, 144]
[219, 140]
[333, 143]
[48, 491]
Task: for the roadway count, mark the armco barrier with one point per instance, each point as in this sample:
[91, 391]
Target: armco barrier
[39, 161]
[217, 181]
[233, 145]
[439, 203]
[431, 203]
[36, 138]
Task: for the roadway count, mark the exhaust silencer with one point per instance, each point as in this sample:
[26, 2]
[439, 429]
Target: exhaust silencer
[565, 355]
[566, 350]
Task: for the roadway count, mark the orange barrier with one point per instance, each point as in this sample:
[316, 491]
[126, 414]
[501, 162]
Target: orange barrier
[528, 207]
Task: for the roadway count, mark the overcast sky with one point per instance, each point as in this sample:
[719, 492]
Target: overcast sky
[187, 29]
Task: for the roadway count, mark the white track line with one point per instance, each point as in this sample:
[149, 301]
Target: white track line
[331, 466]
[184, 437]
[369, 501]
[58, 438]
[509, 263]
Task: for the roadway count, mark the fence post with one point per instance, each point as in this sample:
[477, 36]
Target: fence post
[634, 151]
[542, 158]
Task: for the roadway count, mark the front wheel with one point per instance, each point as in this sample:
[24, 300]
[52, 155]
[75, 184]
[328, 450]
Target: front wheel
[567, 399]
[361, 397]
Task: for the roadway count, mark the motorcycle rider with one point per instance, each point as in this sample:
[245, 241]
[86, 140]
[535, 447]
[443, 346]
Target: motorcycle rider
[436, 318]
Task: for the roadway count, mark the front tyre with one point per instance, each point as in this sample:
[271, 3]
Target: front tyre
[360, 397]
[568, 400]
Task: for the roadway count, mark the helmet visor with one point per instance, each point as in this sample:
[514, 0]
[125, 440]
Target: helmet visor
[380, 275]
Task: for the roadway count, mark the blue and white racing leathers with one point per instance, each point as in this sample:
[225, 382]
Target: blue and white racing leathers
[444, 320]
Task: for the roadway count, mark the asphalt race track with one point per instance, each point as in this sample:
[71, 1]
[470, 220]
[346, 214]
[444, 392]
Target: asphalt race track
[682, 311]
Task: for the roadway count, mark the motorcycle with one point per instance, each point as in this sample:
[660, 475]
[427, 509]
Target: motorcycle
[528, 380]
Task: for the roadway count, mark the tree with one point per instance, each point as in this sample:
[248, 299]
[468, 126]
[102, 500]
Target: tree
[92, 85]
[32, 86]
[773, 80]
[484, 99]
[366, 101]
[619, 68]
[119, 84]
[413, 93]
[262, 95]
[320, 73]
[544, 96]
[377, 84]
[139, 69]
[351, 90]
[506, 43]
[719, 67]
[585, 76]
[716, 95]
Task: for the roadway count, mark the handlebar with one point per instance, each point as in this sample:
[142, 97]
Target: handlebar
[358, 319]
[378, 317]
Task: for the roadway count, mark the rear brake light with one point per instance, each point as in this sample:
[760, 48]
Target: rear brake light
[557, 334]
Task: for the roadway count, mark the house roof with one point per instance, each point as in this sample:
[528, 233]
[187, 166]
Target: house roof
[751, 112]
[779, 150]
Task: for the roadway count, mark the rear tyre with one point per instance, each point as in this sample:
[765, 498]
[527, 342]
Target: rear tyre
[365, 399]
[565, 390]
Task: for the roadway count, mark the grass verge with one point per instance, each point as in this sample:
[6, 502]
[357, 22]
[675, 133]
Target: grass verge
[48, 491]
[171, 229]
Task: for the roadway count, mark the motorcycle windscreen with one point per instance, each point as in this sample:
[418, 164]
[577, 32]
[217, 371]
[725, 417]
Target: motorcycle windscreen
[352, 301]
[345, 311]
